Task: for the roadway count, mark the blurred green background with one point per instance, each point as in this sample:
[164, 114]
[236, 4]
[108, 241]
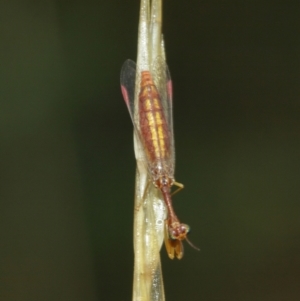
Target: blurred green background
[67, 165]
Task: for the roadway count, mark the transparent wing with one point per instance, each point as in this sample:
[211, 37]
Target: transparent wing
[128, 74]
[162, 79]
[129, 77]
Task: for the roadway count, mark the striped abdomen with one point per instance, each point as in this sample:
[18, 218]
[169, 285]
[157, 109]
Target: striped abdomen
[153, 125]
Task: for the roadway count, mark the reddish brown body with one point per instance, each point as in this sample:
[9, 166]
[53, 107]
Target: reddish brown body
[156, 137]
[153, 125]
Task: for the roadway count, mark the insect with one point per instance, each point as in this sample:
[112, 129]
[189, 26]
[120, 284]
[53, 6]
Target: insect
[152, 119]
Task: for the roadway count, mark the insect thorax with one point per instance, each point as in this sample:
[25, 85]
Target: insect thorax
[162, 174]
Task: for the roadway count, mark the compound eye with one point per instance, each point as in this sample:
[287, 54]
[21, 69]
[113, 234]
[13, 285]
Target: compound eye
[179, 232]
[185, 228]
[173, 234]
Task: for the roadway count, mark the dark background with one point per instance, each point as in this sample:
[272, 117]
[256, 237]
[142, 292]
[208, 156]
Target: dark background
[67, 165]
